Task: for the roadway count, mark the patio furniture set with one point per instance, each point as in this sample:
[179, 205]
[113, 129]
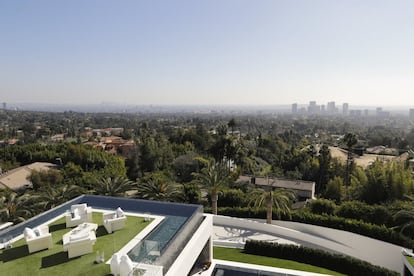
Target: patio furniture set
[79, 240]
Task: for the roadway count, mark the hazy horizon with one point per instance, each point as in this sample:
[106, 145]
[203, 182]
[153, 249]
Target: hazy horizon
[183, 52]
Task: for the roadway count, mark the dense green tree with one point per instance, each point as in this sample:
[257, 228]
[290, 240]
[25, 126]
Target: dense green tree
[387, 181]
[191, 193]
[184, 166]
[324, 159]
[45, 178]
[334, 189]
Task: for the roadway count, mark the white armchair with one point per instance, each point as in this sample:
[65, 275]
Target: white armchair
[114, 220]
[38, 238]
[79, 213]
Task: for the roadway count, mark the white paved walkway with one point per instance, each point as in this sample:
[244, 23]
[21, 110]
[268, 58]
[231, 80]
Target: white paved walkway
[236, 237]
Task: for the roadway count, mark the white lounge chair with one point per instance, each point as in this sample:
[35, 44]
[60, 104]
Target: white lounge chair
[114, 220]
[78, 214]
[38, 238]
[406, 252]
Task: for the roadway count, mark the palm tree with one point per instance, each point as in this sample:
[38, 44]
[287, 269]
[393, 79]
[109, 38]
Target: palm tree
[405, 218]
[51, 197]
[279, 198]
[232, 124]
[14, 207]
[154, 189]
[113, 186]
[212, 177]
[350, 141]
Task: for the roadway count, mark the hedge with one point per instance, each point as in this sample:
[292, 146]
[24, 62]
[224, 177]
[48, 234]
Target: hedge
[379, 232]
[336, 262]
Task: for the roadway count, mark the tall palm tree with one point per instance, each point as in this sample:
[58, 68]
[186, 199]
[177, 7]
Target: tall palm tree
[154, 189]
[232, 124]
[350, 141]
[278, 198]
[212, 177]
[113, 186]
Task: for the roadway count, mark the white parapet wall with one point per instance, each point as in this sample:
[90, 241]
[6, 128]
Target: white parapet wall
[373, 251]
[185, 261]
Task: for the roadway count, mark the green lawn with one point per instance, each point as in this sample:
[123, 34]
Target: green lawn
[237, 255]
[410, 260]
[18, 261]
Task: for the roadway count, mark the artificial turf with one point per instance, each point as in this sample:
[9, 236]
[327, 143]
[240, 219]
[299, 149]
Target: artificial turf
[17, 260]
[237, 255]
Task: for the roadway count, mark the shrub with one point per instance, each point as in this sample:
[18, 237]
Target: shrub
[232, 198]
[240, 212]
[322, 206]
[379, 232]
[375, 214]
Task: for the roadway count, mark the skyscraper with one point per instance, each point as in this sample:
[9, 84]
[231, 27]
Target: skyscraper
[331, 108]
[313, 108]
[294, 108]
[411, 114]
[345, 109]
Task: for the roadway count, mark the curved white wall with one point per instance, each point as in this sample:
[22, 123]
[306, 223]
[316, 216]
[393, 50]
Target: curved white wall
[374, 251]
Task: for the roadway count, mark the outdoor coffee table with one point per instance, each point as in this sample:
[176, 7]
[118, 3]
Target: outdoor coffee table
[80, 240]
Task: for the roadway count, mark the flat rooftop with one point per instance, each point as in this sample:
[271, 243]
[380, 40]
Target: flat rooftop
[171, 227]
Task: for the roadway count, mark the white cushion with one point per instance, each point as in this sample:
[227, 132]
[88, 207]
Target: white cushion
[79, 237]
[76, 213]
[81, 207]
[119, 212]
[29, 233]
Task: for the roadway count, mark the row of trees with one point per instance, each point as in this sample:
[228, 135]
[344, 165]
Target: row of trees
[181, 163]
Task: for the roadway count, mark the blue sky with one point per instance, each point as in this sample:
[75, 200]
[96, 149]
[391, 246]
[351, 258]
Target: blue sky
[207, 52]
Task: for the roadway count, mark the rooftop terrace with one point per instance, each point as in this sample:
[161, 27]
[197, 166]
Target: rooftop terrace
[170, 234]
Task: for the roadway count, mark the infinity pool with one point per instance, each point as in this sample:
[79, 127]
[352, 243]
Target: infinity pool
[153, 244]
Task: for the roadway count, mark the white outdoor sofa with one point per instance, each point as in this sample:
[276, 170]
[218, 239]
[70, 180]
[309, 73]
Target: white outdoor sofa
[79, 213]
[114, 221]
[38, 238]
